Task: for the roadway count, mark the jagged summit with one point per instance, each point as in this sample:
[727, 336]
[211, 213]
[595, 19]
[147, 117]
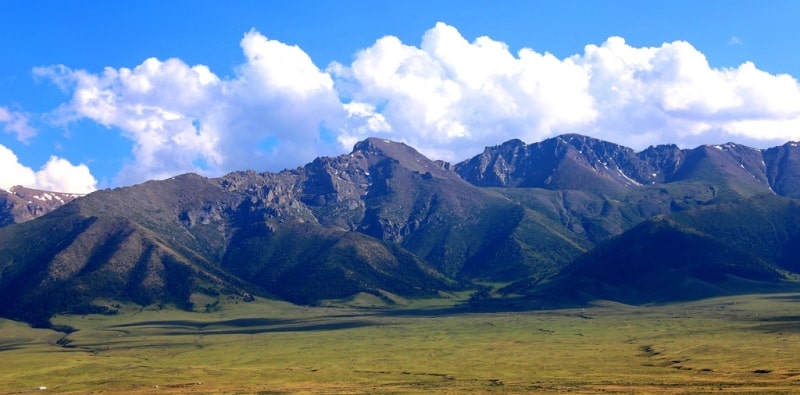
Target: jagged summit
[376, 144]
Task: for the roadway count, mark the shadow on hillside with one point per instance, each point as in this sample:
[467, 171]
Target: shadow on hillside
[778, 325]
[243, 326]
[485, 306]
[358, 318]
[238, 322]
[365, 317]
[788, 298]
[8, 346]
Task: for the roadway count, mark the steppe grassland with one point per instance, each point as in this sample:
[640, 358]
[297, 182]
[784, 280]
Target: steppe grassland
[737, 344]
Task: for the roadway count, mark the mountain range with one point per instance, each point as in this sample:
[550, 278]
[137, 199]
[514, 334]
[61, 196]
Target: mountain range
[570, 218]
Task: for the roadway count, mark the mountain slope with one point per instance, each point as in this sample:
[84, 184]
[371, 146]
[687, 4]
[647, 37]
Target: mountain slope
[783, 169]
[734, 170]
[66, 260]
[722, 249]
[390, 192]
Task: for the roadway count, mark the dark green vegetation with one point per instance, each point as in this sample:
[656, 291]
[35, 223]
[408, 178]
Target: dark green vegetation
[562, 222]
[742, 344]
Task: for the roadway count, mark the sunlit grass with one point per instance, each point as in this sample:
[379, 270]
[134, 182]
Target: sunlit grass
[741, 344]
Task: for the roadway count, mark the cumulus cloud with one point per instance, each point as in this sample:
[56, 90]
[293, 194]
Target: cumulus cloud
[185, 118]
[452, 97]
[58, 174]
[671, 94]
[448, 96]
[17, 123]
[13, 172]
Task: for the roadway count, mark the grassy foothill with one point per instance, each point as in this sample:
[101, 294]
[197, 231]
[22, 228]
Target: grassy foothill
[742, 344]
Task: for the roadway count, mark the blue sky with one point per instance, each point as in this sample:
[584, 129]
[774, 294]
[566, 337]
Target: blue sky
[105, 94]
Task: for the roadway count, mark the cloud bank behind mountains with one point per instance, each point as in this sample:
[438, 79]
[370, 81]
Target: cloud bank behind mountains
[449, 97]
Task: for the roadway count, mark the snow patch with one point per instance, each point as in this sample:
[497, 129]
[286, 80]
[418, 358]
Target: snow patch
[631, 180]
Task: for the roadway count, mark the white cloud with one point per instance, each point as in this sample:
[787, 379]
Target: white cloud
[13, 172]
[17, 123]
[57, 174]
[671, 94]
[184, 118]
[449, 97]
[452, 97]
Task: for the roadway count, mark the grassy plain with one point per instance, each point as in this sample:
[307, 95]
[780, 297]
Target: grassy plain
[744, 344]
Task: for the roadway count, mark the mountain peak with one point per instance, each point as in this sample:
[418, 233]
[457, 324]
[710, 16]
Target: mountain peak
[513, 143]
[373, 144]
[404, 154]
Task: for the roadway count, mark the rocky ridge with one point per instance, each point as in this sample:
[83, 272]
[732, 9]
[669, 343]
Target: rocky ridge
[580, 162]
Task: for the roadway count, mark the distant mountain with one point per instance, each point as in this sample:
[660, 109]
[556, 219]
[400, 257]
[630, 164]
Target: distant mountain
[20, 204]
[566, 162]
[386, 220]
[575, 162]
